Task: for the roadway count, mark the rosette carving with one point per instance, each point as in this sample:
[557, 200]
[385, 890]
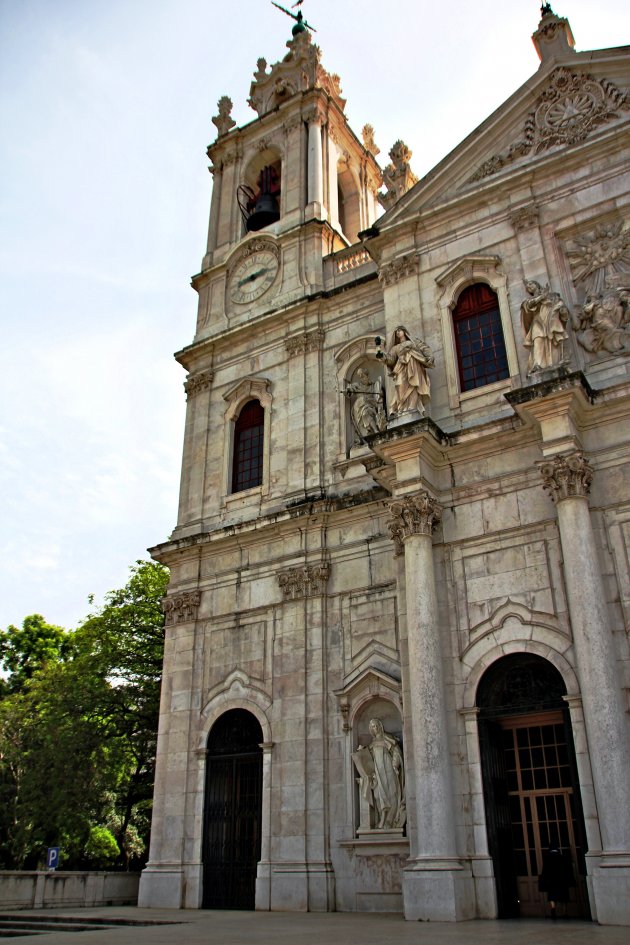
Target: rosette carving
[567, 476]
[417, 514]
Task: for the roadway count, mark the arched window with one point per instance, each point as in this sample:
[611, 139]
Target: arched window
[481, 354]
[247, 460]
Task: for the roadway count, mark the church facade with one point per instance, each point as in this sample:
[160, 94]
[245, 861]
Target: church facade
[397, 659]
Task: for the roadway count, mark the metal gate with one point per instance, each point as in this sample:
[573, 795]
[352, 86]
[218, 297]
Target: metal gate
[232, 814]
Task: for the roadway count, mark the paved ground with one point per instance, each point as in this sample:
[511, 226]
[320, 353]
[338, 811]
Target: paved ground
[283, 928]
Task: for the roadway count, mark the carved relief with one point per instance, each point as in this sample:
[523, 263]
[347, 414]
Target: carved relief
[181, 607]
[603, 322]
[567, 476]
[601, 258]
[524, 218]
[397, 176]
[309, 581]
[399, 268]
[223, 120]
[417, 514]
[196, 383]
[567, 111]
[302, 344]
[544, 317]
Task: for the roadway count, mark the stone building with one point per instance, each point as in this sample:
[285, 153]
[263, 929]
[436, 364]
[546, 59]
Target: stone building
[397, 656]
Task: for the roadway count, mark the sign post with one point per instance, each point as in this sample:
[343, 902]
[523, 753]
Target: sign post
[52, 858]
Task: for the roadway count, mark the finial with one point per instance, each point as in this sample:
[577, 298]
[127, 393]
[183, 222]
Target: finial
[223, 120]
[300, 23]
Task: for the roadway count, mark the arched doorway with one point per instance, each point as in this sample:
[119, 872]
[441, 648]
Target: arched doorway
[531, 788]
[232, 811]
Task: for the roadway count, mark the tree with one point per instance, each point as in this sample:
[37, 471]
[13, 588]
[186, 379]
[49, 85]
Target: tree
[78, 729]
[25, 650]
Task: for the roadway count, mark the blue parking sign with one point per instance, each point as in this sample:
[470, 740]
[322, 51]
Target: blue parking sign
[52, 859]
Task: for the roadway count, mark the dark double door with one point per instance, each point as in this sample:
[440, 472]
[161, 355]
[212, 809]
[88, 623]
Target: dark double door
[530, 782]
[232, 823]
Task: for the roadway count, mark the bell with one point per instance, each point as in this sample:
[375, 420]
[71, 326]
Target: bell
[266, 211]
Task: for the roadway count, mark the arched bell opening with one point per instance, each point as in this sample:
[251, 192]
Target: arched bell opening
[260, 193]
[530, 783]
[232, 811]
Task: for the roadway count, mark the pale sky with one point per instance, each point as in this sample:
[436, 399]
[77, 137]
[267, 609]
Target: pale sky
[105, 112]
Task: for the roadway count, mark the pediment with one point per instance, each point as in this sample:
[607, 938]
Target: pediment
[562, 106]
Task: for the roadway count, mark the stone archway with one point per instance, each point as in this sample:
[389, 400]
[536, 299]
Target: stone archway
[232, 811]
[530, 782]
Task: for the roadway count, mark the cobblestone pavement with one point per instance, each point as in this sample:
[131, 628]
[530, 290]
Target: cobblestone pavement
[284, 928]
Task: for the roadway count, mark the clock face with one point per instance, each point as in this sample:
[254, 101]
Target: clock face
[253, 276]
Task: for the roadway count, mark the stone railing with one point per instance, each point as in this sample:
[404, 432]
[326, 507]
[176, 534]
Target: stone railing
[45, 890]
[347, 264]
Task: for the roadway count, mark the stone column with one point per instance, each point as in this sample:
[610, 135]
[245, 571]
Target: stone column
[568, 479]
[213, 224]
[436, 885]
[315, 165]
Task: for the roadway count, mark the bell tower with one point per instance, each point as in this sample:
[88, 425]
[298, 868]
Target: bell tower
[296, 177]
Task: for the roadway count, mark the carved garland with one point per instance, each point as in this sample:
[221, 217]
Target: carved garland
[309, 581]
[565, 477]
[566, 112]
[181, 607]
[417, 514]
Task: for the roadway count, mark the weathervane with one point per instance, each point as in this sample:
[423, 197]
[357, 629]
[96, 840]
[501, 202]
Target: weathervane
[300, 22]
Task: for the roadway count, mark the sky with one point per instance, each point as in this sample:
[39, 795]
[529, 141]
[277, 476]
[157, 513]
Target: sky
[105, 116]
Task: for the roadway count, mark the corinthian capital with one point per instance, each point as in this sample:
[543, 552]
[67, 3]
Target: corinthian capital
[417, 514]
[567, 476]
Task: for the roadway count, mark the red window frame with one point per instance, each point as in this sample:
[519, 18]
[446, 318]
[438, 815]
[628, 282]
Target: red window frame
[481, 354]
[247, 457]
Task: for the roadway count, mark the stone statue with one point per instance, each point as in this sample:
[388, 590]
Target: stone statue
[223, 120]
[368, 406]
[408, 360]
[544, 317]
[603, 324]
[382, 778]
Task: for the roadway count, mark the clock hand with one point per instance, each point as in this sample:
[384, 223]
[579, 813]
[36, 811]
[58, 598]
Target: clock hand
[252, 277]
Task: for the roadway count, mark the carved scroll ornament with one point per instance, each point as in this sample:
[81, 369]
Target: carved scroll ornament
[565, 477]
[181, 607]
[417, 514]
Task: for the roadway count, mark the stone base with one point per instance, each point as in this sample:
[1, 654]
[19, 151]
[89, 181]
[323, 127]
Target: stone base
[438, 890]
[299, 887]
[400, 419]
[161, 888]
[609, 887]
[376, 833]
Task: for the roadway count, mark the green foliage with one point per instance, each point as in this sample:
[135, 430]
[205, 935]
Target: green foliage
[25, 650]
[78, 729]
[101, 848]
